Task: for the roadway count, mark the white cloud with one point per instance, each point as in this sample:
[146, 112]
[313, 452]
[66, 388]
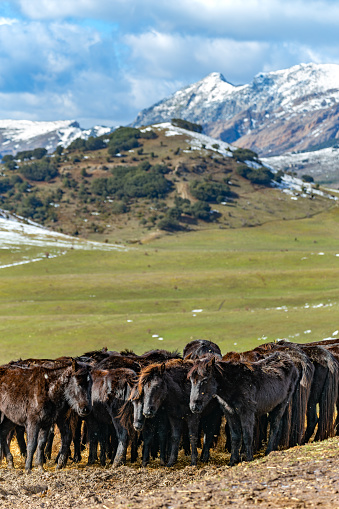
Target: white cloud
[7, 21]
[245, 19]
[111, 58]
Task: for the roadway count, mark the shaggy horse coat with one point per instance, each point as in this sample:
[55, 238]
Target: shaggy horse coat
[245, 391]
[199, 348]
[36, 397]
[166, 385]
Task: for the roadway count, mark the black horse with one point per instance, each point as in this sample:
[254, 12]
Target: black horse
[166, 386]
[245, 391]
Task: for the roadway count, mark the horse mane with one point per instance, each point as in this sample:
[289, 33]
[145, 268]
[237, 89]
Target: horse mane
[219, 366]
[199, 348]
[158, 356]
[157, 369]
[200, 366]
[128, 353]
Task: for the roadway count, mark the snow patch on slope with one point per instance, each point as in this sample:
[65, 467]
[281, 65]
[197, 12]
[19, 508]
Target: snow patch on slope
[14, 232]
[195, 140]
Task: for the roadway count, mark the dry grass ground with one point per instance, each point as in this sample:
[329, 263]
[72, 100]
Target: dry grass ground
[301, 477]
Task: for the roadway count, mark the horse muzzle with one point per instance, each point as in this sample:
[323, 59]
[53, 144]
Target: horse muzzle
[138, 426]
[196, 408]
[149, 414]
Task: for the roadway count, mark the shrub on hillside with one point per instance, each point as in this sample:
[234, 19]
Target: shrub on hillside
[245, 154]
[5, 185]
[37, 153]
[133, 182]
[92, 143]
[39, 171]
[307, 178]
[185, 124]
[124, 138]
[212, 192]
[169, 223]
[262, 176]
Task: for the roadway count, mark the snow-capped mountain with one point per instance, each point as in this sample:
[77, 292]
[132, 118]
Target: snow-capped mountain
[290, 109]
[18, 135]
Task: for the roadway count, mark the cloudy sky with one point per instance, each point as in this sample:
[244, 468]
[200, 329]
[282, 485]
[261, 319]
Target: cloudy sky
[102, 61]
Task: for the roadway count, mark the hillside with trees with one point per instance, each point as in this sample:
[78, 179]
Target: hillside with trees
[133, 183]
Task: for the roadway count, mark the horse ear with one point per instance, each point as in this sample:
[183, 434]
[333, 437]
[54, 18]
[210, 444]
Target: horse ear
[162, 368]
[74, 365]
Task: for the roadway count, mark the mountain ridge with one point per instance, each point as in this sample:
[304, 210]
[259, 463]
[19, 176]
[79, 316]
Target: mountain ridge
[19, 135]
[288, 109]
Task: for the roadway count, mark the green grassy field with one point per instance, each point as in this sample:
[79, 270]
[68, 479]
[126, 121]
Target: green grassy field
[249, 285]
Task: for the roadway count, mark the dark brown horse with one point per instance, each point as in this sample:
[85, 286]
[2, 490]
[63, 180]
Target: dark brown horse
[324, 392]
[166, 386]
[111, 389]
[36, 397]
[293, 424]
[154, 431]
[244, 391]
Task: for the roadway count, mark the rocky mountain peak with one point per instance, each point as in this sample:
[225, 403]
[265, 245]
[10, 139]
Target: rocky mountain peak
[288, 109]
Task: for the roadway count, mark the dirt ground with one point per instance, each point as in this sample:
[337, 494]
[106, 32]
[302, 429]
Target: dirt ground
[300, 477]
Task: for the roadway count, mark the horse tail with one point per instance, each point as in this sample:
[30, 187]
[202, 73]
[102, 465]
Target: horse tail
[299, 403]
[285, 427]
[328, 400]
[125, 416]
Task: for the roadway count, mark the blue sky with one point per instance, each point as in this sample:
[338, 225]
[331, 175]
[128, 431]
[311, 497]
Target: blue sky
[102, 61]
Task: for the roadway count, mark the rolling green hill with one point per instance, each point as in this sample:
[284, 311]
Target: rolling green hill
[238, 287]
[135, 184]
[209, 248]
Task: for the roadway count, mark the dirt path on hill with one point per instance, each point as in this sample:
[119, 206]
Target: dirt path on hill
[301, 477]
[182, 190]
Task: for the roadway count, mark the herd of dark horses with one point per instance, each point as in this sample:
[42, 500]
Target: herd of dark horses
[277, 395]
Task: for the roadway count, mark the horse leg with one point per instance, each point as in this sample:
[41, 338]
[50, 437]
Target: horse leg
[77, 442]
[147, 434]
[103, 440]
[186, 439]
[122, 434]
[134, 447]
[211, 431]
[163, 438]
[193, 432]
[93, 433]
[176, 426]
[228, 444]
[235, 433]
[247, 420]
[49, 443]
[40, 456]
[312, 419]
[32, 431]
[235, 430]
[66, 439]
[5, 430]
[275, 418]
[20, 437]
